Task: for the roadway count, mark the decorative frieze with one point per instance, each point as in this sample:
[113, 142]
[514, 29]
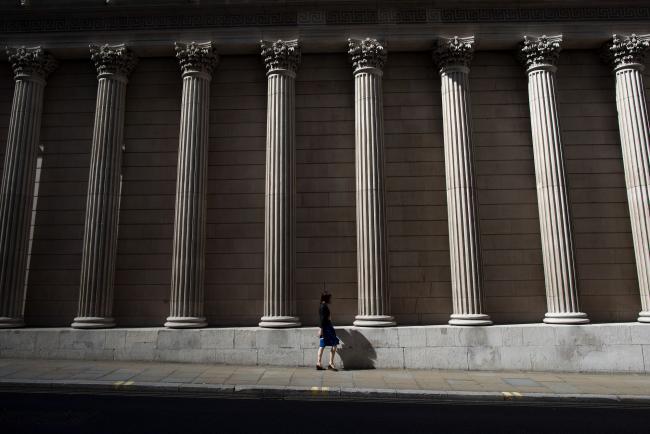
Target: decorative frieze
[368, 57]
[453, 57]
[281, 59]
[197, 61]
[539, 56]
[626, 54]
[31, 67]
[113, 63]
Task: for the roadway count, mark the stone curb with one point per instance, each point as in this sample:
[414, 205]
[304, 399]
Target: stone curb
[317, 393]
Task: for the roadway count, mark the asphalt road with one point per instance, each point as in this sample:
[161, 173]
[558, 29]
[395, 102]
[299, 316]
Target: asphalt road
[57, 413]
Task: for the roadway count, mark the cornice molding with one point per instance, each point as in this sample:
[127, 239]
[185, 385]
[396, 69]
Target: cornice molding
[55, 22]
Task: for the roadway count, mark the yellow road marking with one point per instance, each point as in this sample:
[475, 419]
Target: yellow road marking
[122, 384]
[315, 390]
[508, 396]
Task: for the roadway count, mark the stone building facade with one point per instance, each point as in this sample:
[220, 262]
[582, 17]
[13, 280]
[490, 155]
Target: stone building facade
[425, 163]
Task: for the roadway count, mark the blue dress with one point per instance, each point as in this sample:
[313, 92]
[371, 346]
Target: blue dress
[329, 338]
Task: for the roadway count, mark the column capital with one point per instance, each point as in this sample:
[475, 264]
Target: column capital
[31, 62]
[366, 53]
[540, 52]
[280, 55]
[627, 51]
[453, 52]
[196, 57]
[113, 60]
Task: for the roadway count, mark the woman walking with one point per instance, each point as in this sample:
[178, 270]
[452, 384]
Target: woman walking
[326, 333]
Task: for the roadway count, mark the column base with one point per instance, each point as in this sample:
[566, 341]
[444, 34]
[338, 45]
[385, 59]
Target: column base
[644, 317]
[566, 318]
[470, 319]
[374, 321]
[186, 322]
[279, 322]
[93, 322]
[11, 323]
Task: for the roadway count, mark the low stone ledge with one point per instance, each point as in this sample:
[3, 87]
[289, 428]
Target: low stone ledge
[621, 347]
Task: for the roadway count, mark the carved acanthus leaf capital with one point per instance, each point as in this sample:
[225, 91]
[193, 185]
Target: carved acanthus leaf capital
[627, 50]
[196, 57]
[453, 52]
[367, 53]
[281, 55]
[540, 51]
[113, 59]
[34, 61]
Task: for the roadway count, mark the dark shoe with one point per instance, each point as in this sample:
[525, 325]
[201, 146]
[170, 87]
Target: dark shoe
[319, 368]
[331, 368]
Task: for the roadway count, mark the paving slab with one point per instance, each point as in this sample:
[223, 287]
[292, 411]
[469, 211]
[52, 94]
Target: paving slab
[274, 382]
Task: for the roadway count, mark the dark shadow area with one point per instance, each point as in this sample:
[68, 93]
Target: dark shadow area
[357, 351]
[49, 413]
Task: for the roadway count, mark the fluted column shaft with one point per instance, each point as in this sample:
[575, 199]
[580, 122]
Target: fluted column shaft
[635, 145]
[464, 234]
[103, 199]
[368, 56]
[626, 54]
[279, 218]
[552, 199]
[188, 258]
[372, 253]
[17, 190]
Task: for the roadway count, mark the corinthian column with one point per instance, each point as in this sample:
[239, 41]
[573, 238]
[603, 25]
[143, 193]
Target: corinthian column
[113, 64]
[368, 57]
[539, 56]
[188, 261]
[281, 59]
[453, 57]
[626, 54]
[31, 67]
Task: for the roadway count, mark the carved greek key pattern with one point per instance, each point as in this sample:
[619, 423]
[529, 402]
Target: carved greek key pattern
[287, 17]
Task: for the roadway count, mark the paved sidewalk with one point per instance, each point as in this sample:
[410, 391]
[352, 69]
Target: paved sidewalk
[302, 383]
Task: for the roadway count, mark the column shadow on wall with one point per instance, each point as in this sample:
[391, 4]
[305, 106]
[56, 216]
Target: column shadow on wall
[356, 352]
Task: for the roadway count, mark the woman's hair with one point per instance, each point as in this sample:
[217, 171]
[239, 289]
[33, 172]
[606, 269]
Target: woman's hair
[325, 297]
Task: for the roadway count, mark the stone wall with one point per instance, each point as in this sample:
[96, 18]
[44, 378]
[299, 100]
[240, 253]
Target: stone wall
[532, 347]
[415, 190]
